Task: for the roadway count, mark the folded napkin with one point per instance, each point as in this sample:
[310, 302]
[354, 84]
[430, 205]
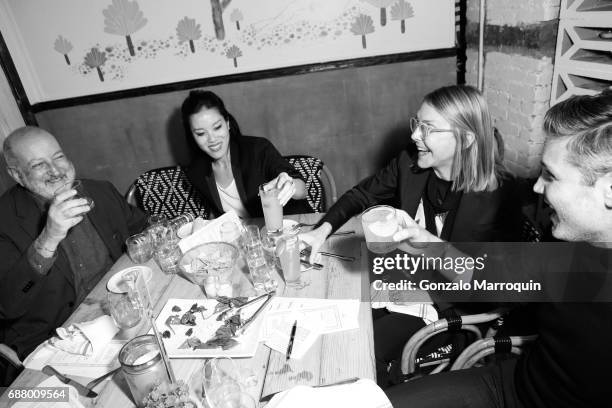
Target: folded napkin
[73, 397]
[85, 338]
[210, 232]
[361, 394]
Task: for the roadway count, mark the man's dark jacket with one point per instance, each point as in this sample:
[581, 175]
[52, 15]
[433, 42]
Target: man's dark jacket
[33, 305]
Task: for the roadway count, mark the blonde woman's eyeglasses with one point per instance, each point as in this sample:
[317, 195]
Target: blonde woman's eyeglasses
[424, 128]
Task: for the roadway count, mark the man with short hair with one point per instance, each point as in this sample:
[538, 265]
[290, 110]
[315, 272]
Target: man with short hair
[568, 364]
[54, 247]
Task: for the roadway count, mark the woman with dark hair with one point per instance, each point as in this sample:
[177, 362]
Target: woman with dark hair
[229, 167]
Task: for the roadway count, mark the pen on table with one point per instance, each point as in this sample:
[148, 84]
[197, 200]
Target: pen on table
[291, 338]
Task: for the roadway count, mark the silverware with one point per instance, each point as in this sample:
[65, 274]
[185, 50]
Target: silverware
[82, 390]
[337, 234]
[250, 320]
[347, 381]
[98, 380]
[303, 224]
[234, 310]
[330, 255]
[311, 265]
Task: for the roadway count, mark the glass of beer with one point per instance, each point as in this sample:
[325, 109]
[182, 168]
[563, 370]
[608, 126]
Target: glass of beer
[379, 225]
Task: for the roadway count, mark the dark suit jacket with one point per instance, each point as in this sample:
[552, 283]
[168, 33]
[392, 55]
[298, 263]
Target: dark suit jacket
[481, 217]
[32, 305]
[254, 161]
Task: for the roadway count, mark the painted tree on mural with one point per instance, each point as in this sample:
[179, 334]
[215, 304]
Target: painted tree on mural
[95, 59]
[63, 46]
[401, 11]
[218, 7]
[188, 30]
[124, 17]
[236, 17]
[233, 52]
[382, 5]
[363, 25]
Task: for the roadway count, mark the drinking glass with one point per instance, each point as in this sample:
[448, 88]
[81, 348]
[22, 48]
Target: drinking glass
[380, 223]
[158, 234]
[157, 219]
[125, 309]
[251, 237]
[221, 382]
[272, 209]
[268, 243]
[288, 251]
[236, 400]
[167, 256]
[78, 186]
[230, 233]
[139, 248]
[259, 270]
[175, 224]
[142, 366]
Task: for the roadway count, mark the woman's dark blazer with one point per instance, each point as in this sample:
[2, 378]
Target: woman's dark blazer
[254, 161]
[481, 217]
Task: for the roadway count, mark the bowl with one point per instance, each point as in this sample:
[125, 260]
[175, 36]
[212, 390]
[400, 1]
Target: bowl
[210, 258]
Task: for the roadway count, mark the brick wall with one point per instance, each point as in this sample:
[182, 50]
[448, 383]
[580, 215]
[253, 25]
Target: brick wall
[519, 48]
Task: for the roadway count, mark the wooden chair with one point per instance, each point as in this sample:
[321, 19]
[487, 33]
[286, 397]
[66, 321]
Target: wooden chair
[168, 191]
[320, 184]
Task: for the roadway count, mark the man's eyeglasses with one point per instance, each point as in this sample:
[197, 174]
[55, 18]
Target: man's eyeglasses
[424, 128]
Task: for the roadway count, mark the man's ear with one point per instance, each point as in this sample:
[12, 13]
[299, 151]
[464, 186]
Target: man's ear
[15, 174]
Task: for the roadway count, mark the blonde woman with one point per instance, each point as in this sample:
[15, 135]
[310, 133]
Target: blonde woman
[455, 185]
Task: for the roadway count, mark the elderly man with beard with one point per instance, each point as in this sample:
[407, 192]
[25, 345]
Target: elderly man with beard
[54, 247]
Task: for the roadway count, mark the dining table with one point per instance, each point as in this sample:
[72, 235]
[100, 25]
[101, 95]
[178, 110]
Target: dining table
[333, 358]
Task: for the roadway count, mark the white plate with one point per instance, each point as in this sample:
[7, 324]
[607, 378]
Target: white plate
[117, 283]
[205, 327]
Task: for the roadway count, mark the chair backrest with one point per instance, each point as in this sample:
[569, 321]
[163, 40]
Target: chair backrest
[168, 191]
[488, 346]
[465, 323]
[320, 184]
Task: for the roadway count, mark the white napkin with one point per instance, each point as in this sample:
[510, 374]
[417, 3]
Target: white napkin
[361, 394]
[210, 232]
[73, 398]
[85, 338]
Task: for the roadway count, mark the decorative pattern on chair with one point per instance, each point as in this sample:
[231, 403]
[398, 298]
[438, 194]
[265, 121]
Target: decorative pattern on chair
[310, 169]
[168, 191]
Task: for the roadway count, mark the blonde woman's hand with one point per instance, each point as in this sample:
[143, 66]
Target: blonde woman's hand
[411, 236]
[315, 239]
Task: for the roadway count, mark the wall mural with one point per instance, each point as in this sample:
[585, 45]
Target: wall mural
[120, 44]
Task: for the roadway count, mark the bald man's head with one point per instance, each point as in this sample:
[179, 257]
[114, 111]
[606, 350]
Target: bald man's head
[36, 161]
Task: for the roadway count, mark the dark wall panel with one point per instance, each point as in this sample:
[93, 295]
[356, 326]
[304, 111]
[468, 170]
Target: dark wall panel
[354, 119]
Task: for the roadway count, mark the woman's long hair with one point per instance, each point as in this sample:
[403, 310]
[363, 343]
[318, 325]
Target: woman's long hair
[477, 164]
[195, 102]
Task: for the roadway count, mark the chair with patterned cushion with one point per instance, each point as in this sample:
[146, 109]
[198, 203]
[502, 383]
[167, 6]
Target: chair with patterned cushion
[320, 184]
[168, 191]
